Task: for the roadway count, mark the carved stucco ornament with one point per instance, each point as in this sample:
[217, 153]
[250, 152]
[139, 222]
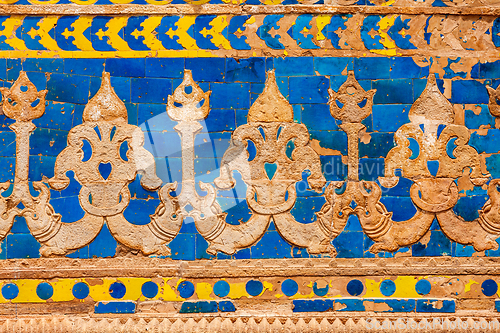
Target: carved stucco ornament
[433, 195]
[270, 127]
[23, 103]
[104, 197]
[436, 193]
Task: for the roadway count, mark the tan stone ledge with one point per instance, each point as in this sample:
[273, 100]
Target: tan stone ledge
[238, 10]
[147, 267]
[303, 323]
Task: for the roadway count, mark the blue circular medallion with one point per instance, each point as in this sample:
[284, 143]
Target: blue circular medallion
[117, 290]
[289, 287]
[355, 287]
[149, 289]
[186, 289]
[387, 287]
[423, 287]
[221, 288]
[254, 287]
[81, 290]
[10, 291]
[44, 290]
[489, 287]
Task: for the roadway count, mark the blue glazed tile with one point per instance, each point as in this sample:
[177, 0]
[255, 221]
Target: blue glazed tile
[313, 305]
[20, 226]
[468, 92]
[237, 23]
[154, 117]
[188, 226]
[435, 305]
[317, 117]
[138, 211]
[402, 207]
[43, 65]
[92, 67]
[390, 117]
[270, 22]
[68, 88]
[484, 118]
[183, 248]
[396, 305]
[245, 70]
[462, 250]
[69, 208]
[305, 208]
[489, 70]
[150, 90]
[207, 69]
[210, 145]
[114, 307]
[333, 168]
[290, 66]
[371, 41]
[237, 210]
[372, 68]
[335, 140]
[380, 144]
[8, 144]
[41, 166]
[170, 42]
[47, 142]
[201, 249]
[129, 67]
[467, 207]
[3, 69]
[22, 246]
[38, 79]
[14, 66]
[405, 67]
[203, 40]
[169, 170]
[134, 40]
[397, 91]
[332, 65]
[271, 245]
[485, 143]
[57, 116]
[219, 120]
[230, 96]
[497, 305]
[438, 245]
[371, 168]
[104, 245]
[350, 305]
[299, 34]
[165, 67]
[226, 306]
[199, 307]
[349, 244]
[493, 165]
[311, 89]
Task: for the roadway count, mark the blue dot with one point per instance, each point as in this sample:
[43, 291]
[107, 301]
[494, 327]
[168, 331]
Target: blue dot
[44, 290]
[81, 290]
[489, 287]
[221, 288]
[423, 287]
[355, 287]
[254, 287]
[320, 291]
[387, 287]
[149, 289]
[289, 287]
[186, 289]
[10, 291]
[117, 290]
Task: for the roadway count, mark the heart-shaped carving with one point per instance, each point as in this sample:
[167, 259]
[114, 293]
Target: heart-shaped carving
[270, 169]
[105, 170]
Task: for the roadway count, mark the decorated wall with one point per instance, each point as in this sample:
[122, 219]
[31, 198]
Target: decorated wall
[229, 166]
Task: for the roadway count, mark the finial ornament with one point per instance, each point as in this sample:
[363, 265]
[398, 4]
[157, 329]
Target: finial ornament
[194, 102]
[432, 107]
[271, 105]
[356, 102]
[105, 105]
[18, 100]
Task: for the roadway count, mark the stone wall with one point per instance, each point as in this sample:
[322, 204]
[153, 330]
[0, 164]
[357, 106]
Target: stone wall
[293, 166]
